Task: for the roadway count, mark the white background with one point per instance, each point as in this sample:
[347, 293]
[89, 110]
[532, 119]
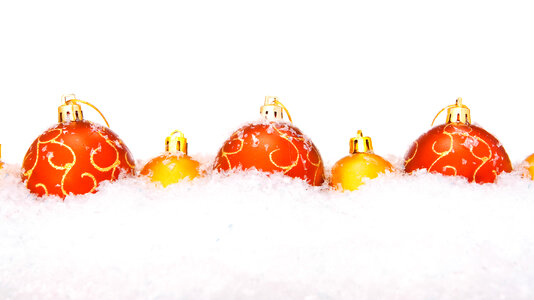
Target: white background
[204, 67]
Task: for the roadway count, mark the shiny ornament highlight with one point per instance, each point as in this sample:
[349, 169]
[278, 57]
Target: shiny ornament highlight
[459, 148]
[75, 155]
[173, 165]
[272, 145]
[350, 172]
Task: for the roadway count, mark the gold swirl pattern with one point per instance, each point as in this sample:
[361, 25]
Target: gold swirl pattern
[40, 185]
[226, 153]
[317, 165]
[483, 159]
[114, 164]
[416, 144]
[29, 172]
[452, 168]
[67, 167]
[127, 160]
[87, 174]
[286, 137]
[285, 168]
[63, 178]
[444, 153]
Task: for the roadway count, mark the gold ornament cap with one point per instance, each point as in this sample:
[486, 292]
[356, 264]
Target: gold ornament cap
[456, 113]
[273, 110]
[361, 144]
[71, 111]
[174, 143]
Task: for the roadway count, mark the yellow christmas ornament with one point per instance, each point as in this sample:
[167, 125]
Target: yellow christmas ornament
[350, 171]
[173, 165]
[530, 165]
[1, 163]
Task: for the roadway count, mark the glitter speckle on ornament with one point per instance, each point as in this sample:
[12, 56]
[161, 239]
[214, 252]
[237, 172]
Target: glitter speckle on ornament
[459, 148]
[75, 155]
[173, 165]
[272, 145]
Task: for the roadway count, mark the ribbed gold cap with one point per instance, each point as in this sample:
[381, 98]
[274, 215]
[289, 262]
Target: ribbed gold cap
[361, 144]
[458, 113]
[69, 111]
[270, 110]
[174, 143]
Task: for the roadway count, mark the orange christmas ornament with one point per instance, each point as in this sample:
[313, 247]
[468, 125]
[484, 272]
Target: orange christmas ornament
[173, 165]
[350, 172]
[459, 148]
[74, 156]
[272, 145]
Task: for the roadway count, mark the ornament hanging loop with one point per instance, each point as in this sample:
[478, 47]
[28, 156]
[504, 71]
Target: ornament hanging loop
[174, 143]
[273, 109]
[71, 110]
[456, 113]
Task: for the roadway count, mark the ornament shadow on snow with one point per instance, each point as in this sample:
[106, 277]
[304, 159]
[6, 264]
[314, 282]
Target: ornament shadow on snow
[362, 164]
[174, 164]
[75, 155]
[272, 145]
[458, 148]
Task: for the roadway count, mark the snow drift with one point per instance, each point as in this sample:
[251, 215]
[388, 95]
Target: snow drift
[251, 236]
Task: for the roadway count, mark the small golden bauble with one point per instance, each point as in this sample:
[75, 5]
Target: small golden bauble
[350, 172]
[530, 165]
[173, 165]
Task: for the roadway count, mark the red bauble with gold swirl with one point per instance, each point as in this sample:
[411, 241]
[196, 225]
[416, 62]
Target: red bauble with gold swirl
[272, 145]
[459, 148]
[74, 156]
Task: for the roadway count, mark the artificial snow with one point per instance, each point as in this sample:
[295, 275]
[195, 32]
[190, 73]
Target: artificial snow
[247, 235]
